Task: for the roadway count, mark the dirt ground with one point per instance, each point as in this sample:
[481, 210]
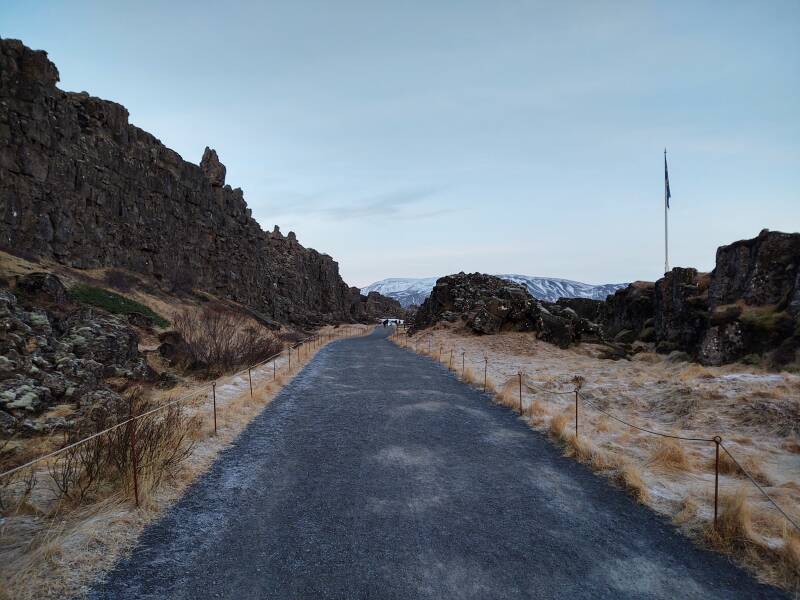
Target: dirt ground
[756, 413]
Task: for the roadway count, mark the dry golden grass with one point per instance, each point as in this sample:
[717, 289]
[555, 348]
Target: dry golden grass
[580, 448]
[509, 394]
[695, 371]
[535, 409]
[558, 426]
[468, 376]
[687, 513]
[792, 446]
[735, 523]
[602, 424]
[669, 455]
[630, 477]
[737, 534]
[751, 463]
[755, 410]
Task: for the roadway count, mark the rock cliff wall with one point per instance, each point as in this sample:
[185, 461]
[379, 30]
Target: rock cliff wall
[82, 186]
[747, 308]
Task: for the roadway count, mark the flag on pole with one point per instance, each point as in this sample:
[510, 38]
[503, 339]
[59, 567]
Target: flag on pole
[667, 194]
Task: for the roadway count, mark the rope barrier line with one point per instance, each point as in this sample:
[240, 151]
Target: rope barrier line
[667, 435]
[545, 390]
[760, 489]
[203, 388]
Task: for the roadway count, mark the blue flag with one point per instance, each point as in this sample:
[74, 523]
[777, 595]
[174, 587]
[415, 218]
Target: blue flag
[667, 194]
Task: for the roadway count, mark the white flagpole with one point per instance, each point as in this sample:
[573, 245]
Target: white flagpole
[666, 228]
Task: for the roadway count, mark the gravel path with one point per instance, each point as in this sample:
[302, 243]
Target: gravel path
[376, 474]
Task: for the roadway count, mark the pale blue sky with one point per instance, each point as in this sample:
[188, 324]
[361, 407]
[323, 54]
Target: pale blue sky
[424, 138]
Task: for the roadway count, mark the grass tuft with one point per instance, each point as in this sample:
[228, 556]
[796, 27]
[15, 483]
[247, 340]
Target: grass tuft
[669, 455]
[630, 477]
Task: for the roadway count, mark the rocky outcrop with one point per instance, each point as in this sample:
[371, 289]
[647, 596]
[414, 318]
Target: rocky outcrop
[82, 186]
[747, 308]
[52, 353]
[758, 272]
[680, 309]
[754, 301]
[489, 304]
[586, 308]
[629, 312]
[373, 306]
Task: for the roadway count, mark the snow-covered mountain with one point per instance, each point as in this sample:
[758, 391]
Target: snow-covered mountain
[410, 291]
[405, 291]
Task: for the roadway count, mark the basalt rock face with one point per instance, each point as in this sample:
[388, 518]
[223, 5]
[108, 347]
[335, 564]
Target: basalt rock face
[630, 311]
[373, 306]
[754, 301]
[680, 308]
[82, 186]
[489, 304]
[747, 308]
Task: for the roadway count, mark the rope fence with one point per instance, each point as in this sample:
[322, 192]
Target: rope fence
[301, 348]
[579, 397]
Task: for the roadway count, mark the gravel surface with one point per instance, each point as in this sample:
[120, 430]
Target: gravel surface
[376, 474]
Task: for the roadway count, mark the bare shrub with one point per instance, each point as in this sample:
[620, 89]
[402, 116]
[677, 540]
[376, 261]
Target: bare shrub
[219, 340]
[104, 462]
[291, 337]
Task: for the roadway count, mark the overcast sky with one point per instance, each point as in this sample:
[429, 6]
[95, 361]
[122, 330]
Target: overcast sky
[424, 138]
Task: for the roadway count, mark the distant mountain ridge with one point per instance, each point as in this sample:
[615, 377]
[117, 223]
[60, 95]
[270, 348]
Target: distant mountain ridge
[410, 290]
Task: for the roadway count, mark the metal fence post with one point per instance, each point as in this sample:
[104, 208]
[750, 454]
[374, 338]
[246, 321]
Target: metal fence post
[485, 367]
[134, 458]
[274, 369]
[250, 379]
[520, 392]
[717, 441]
[462, 364]
[576, 413]
[214, 397]
[290, 360]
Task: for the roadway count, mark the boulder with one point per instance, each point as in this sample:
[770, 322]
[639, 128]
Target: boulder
[629, 308]
[46, 359]
[680, 308]
[44, 286]
[489, 304]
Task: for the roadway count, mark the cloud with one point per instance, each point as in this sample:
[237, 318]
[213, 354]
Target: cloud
[400, 204]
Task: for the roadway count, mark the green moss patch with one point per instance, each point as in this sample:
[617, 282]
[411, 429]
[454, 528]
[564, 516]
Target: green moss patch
[113, 303]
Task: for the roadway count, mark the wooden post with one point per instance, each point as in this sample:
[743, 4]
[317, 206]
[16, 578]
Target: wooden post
[576, 413]
[214, 396]
[717, 441]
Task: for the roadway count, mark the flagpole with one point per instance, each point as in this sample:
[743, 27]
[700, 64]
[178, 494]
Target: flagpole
[666, 227]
